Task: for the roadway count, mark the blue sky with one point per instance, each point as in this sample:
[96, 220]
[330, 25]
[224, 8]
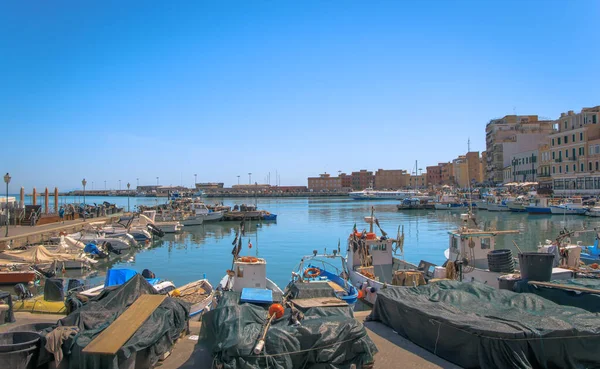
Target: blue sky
[111, 90]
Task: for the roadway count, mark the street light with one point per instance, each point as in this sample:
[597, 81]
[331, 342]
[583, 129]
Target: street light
[84, 182]
[128, 185]
[119, 185]
[138, 182]
[249, 178]
[238, 180]
[7, 181]
[195, 179]
[104, 185]
[157, 181]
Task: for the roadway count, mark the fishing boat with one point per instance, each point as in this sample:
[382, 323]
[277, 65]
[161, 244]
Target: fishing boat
[208, 215]
[449, 202]
[416, 203]
[518, 205]
[43, 257]
[573, 206]
[52, 301]
[473, 257]
[373, 266]
[198, 294]
[498, 205]
[268, 216]
[169, 227]
[539, 205]
[593, 211]
[301, 326]
[326, 270]
[13, 273]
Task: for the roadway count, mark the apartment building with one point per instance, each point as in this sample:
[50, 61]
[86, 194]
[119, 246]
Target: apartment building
[524, 166]
[362, 179]
[325, 182]
[447, 173]
[391, 179]
[508, 136]
[544, 165]
[575, 150]
[417, 181]
[434, 175]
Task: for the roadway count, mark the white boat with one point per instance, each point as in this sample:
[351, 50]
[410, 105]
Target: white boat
[371, 194]
[572, 206]
[372, 265]
[498, 205]
[593, 212]
[169, 227]
[119, 242]
[198, 294]
[248, 272]
[471, 246]
[200, 209]
[518, 205]
[481, 204]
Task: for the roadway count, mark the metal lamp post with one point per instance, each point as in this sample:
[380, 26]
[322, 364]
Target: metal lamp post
[157, 181]
[238, 180]
[119, 185]
[84, 182]
[195, 180]
[249, 178]
[128, 185]
[7, 181]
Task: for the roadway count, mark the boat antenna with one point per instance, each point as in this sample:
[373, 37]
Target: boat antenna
[372, 217]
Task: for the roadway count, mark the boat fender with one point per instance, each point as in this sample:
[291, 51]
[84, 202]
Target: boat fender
[372, 290]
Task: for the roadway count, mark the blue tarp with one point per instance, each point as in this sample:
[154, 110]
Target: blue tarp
[115, 277]
[91, 248]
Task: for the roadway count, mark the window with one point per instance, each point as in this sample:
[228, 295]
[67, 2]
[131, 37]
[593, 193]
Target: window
[594, 119]
[526, 160]
[574, 168]
[566, 153]
[590, 166]
[596, 165]
[553, 156]
[567, 168]
[574, 157]
[565, 124]
[580, 136]
[552, 142]
[582, 168]
[559, 140]
[581, 151]
[566, 140]
[553, 170]
[573, 137]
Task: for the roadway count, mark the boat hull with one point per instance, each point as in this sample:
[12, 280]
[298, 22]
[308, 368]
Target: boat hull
[15, 277]
[452, 207]
[516, 208]
[497, 207]
[192, 221]
[538, 210]
[559, 210]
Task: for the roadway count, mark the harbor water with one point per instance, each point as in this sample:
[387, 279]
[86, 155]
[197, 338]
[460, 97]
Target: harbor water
[307, 224]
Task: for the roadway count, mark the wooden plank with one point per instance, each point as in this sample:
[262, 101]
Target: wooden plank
[564, 287]
[110, 340]
[335, 286]
[319, 302]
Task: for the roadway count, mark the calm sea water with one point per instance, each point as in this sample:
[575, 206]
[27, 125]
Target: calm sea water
[304, 225]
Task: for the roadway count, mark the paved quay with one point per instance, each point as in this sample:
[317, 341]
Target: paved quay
[21, 235]
[188, 353]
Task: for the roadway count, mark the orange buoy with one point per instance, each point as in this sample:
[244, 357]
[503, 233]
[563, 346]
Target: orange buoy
[361, 294]
[277, 310]
[371, 236]
[312, 273]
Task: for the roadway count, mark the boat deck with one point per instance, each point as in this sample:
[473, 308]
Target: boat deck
[188, 353]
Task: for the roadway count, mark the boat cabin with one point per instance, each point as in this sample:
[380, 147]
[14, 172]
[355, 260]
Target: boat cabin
[248, 272]
[475, 244]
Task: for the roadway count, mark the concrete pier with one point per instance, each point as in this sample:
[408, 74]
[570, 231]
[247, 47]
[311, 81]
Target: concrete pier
[394, 350]
[23, 235]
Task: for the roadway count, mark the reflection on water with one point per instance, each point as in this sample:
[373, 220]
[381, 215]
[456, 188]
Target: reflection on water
[304, 225]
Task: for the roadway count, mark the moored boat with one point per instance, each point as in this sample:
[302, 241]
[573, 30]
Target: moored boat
[572, 206]
[322, 270]
[198, 294]
[16, 273]
[593, 211]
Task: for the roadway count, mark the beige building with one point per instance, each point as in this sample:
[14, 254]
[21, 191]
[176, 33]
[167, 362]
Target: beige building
[391, 179]
[508, 136]
[460, 168]
[575, 150]
[447, 173]
[417, 181]
[545, 161]
[325, 182]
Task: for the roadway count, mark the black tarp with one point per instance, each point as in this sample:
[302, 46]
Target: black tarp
[155, 337]
[476, 326]
[328, 338]
[585, 300]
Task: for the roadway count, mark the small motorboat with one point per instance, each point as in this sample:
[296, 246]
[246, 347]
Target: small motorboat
[14, 273]
[116, 277]
[268, 216]
[321, 270]
[593, 212]
[198, 294]
[52, 301]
